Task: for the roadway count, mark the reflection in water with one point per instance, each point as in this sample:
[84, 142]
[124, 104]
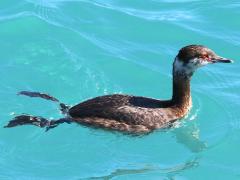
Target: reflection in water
[170, 172]
[188, 134]
[189, 137]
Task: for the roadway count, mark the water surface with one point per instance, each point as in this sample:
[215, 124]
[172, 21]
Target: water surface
[78, 49]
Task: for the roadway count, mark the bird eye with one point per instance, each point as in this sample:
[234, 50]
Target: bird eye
[205, 57]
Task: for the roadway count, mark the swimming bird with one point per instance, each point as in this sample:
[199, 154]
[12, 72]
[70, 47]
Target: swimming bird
[133, 114]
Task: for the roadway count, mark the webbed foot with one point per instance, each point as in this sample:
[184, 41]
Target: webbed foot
[63, 107]
[27, 120]
[38, 94]
[36, 121]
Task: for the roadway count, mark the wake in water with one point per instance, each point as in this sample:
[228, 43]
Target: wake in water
[25, 119]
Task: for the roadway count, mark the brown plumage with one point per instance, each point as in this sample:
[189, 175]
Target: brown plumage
[125, 113]
[134, 114]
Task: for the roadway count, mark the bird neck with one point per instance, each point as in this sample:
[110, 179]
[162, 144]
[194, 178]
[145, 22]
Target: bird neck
[181, 91]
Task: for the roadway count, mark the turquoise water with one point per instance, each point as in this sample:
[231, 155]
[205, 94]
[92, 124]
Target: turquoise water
[78, 49]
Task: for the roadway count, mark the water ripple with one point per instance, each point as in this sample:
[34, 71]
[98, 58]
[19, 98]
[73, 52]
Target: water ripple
[46, 3]
[175, 15]
[15, 16]
[231, 38]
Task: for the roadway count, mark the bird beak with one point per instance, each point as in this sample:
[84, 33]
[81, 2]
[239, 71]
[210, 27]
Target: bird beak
[220, 59]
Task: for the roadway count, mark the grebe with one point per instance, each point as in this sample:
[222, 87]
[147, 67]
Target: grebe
[132, 114]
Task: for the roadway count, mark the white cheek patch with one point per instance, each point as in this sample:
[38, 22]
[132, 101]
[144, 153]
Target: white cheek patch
[190, 67]
[179, 65]
[181, 68]
[199, 62]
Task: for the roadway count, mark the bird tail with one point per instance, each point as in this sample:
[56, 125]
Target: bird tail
[37, 120]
